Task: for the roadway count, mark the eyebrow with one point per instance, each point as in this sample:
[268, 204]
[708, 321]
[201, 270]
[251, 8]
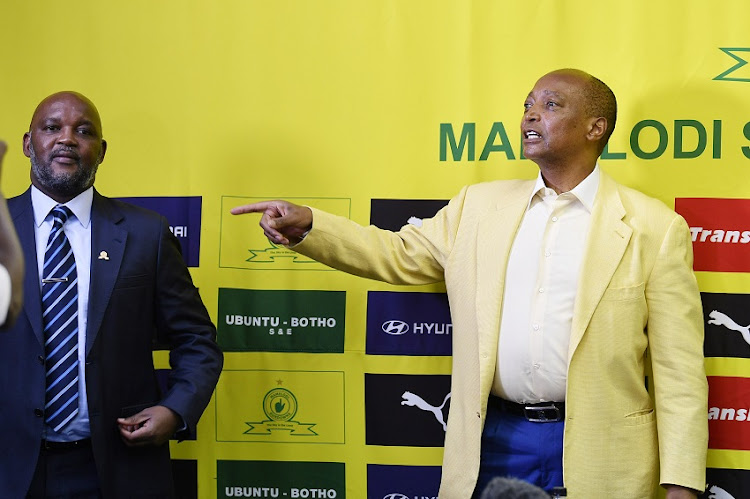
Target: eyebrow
[553, 93]
[56, 119]
[548, 93]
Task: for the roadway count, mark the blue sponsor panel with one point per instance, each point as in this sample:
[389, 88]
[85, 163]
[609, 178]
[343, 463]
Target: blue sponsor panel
[402, 482]
[184, 217]
[408, 324]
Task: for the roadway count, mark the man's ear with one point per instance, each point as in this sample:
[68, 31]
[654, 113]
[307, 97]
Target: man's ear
[104, 150]
[26, 144]
[597, 129]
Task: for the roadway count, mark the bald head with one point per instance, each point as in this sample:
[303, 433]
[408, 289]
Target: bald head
[65, 145]
[599, 100]
[68, 97]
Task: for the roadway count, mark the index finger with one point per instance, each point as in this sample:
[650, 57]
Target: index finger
[252, 208]
[135, 438]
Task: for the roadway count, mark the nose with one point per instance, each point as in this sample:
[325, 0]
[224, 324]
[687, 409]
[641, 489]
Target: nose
[531, 113]
[67, 137]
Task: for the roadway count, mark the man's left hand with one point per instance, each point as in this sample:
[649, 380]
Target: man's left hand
[677, 492]
[152, 426]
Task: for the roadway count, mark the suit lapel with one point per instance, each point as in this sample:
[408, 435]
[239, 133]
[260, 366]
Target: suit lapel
[608, 239]
[497, 230]
[107, 235]
[23, 218]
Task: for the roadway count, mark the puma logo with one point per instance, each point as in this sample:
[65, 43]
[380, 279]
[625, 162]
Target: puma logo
[719, 319]
[416, 222]
[716, 492]
[414, 400]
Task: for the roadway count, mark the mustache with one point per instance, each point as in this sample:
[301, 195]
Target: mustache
[67, 152]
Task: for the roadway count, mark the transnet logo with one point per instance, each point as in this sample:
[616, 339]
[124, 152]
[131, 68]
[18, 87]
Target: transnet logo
[728, 413]
[720, 231]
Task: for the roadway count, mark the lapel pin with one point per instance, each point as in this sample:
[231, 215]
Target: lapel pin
[103, 255]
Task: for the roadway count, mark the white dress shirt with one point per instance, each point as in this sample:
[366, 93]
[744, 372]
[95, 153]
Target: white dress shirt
[540, 290]
[78, 231]
[5, 292]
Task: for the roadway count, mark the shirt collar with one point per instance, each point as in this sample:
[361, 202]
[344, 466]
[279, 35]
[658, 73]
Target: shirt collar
[79, 205]
[585, 191]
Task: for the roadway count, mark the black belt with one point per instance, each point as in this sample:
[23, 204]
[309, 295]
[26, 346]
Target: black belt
[49, 445]
[543, 412]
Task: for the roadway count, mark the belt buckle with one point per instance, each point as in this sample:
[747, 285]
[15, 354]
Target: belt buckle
[541, 416]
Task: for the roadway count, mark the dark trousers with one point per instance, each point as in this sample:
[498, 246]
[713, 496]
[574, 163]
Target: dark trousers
[515, 447]
[65, 474]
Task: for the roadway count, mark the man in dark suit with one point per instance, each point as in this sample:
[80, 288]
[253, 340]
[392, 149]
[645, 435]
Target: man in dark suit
[100, 427]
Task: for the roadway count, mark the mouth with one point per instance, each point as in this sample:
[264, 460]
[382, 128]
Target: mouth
[531, 135]
[65, 157]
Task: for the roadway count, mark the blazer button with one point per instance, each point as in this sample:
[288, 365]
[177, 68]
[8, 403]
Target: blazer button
[38, 413]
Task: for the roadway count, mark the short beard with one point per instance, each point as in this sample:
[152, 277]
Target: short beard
[62, 184]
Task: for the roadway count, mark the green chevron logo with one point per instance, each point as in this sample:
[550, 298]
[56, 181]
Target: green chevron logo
[274, 253]
[736, 54]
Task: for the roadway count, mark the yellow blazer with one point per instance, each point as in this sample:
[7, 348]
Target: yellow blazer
[638, 304]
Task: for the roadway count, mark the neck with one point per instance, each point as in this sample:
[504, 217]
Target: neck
[61, 198]
[565, 178]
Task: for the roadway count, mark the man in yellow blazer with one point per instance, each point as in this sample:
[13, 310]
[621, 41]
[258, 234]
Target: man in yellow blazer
[600, 272]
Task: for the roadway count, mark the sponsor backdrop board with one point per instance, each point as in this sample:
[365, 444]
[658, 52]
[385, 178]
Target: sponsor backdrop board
[419, 403]
[285, 479]
[184, 216]
[280, 406]
[408, 323]
[402, 482]
[281, 320]
[380, 112]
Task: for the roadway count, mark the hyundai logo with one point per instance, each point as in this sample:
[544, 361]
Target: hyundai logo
[395, 328]
[395, 495]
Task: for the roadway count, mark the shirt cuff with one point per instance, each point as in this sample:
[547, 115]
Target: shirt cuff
[5, 292]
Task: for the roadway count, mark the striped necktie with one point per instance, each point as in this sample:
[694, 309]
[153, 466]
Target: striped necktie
[60, 318]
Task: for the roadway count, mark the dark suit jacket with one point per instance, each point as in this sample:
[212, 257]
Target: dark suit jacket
[142, 292]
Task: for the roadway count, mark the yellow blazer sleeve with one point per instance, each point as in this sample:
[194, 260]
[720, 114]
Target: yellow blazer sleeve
[675, 332]
[410, 256]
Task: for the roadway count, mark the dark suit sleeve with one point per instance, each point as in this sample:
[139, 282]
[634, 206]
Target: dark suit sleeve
[183, 323]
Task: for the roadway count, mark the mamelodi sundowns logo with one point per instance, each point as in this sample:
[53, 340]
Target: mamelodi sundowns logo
[729, 412]
[243, 245]
[720, 230]
[281, 320]
[282, 479]
[280, 406]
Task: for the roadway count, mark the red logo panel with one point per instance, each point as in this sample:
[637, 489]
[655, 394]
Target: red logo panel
[728, 413]
[720, 230]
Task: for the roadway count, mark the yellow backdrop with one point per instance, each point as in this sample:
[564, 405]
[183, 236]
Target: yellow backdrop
[338, 102]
